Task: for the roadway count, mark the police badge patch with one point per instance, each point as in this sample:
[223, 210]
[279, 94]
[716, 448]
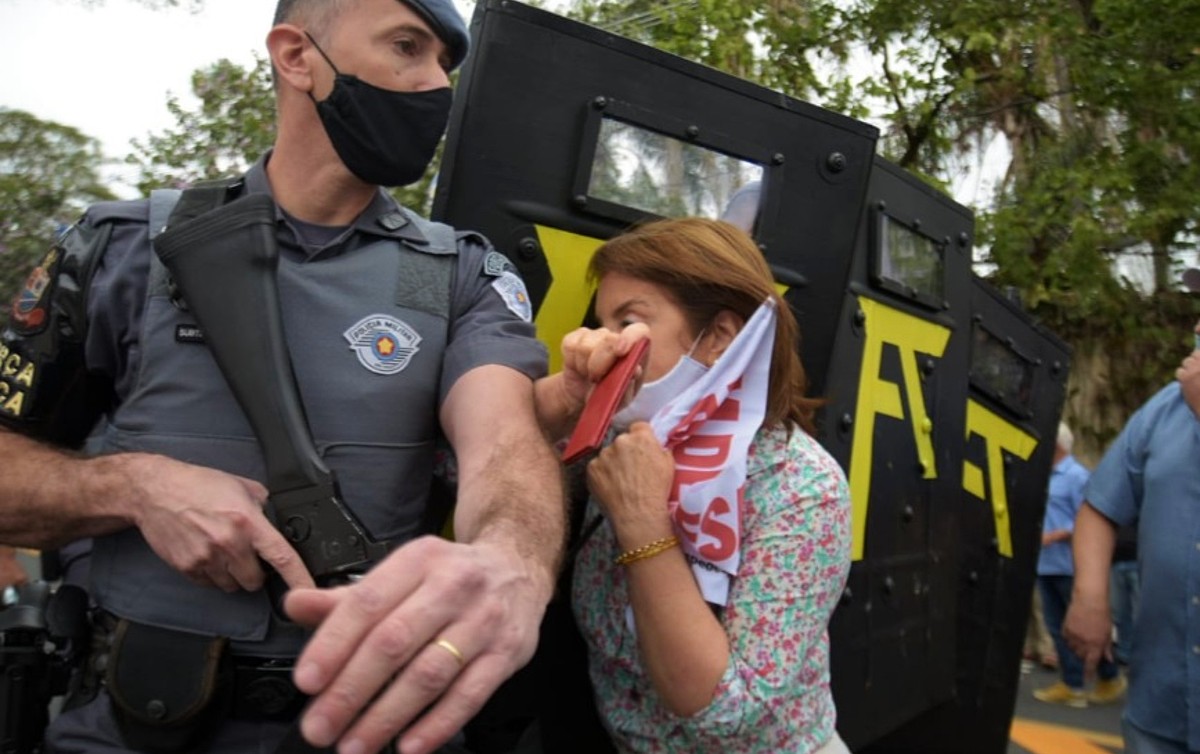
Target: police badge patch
[512, 291]
[384, 344]
[29, 305]
[496, 264]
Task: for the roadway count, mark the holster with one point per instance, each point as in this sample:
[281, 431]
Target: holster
[170, 689]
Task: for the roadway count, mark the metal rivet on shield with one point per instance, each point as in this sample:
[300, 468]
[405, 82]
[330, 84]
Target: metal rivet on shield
[529, 248]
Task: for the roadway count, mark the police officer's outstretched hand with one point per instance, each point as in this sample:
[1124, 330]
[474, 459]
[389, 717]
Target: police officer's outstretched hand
[436, 623]
[210, 525]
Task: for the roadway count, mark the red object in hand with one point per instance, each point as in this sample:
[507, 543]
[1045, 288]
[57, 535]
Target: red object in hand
[603, 403]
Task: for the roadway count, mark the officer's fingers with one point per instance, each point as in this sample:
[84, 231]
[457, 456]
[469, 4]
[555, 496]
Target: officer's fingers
[273, 548]
[214, 574]
[360, 608]
[310, 607]
[247, 574]
[459, 687]
[200, 578]
[393, 646]
[400, 641]
[255, 490]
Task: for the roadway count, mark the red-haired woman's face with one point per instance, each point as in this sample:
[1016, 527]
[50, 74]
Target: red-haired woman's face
[622, 300]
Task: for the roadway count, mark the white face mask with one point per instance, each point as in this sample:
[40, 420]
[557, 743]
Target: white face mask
[656, 395]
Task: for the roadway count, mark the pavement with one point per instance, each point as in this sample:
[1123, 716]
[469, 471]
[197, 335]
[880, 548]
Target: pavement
[1041, 728]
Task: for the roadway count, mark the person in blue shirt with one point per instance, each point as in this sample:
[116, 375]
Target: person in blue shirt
[1056, 574]
[1150, 476]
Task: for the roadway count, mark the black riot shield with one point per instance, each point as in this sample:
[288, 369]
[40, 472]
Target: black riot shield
[1017, 386]
[944, 404]
[898, 393]
[562, 135]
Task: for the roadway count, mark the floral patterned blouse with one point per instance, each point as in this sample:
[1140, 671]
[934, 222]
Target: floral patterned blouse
[774, 696]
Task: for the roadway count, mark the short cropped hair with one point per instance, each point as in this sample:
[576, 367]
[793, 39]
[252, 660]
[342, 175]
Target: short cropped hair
[314, 15]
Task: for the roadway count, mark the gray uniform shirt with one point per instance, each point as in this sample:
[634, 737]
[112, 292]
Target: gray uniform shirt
[372, 422]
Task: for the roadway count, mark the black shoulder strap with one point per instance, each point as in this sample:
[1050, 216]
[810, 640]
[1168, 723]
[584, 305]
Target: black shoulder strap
[204, 197]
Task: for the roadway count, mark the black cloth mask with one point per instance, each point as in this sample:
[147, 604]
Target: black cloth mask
[385, 137]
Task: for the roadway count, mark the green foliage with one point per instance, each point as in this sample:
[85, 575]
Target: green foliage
[781, 44]
[233, 125]
[49, 173]
[1097, 101]
[1140, 342]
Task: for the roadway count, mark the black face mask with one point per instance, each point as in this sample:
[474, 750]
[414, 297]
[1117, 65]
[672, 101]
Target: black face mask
[384, 137]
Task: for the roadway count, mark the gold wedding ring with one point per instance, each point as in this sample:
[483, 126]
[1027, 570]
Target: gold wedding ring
[458, 655]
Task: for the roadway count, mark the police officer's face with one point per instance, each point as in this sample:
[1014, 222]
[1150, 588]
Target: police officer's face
[622, 300]
[385, 43]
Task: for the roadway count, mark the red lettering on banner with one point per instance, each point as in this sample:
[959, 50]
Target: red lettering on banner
[685, 477]
[725, 536]
[698, 415]
[690, 523]
[729, 411]
[700, 458]
[703, 452]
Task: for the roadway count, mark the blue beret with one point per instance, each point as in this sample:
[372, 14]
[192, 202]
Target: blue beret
[443, 18]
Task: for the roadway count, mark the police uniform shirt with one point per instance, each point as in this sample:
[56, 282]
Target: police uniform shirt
[371, 382]
[485, 329]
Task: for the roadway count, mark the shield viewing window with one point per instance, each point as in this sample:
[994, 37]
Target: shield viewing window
[1000, 371]
[662, 175]
[638, 164]
[908, 262]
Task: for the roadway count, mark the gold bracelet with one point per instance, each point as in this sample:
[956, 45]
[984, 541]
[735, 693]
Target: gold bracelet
[647, 550]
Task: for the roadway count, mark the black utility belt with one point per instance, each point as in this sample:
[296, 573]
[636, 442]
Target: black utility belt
[263, 689]
[172, 689]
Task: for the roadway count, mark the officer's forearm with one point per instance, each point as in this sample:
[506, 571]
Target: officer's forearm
[510, 488]
[518, 502]
[49, 496]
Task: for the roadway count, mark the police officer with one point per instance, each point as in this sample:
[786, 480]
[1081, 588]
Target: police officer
[383, 364]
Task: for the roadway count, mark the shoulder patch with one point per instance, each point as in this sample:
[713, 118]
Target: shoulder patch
[512, 292]
[384, 344]
[496, 264]
[18, 381]
[29, 305]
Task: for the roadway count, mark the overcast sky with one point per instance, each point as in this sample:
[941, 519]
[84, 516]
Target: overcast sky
[106, 67]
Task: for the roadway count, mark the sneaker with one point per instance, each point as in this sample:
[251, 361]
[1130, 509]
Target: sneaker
[1061, 693]
[1109, 691]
